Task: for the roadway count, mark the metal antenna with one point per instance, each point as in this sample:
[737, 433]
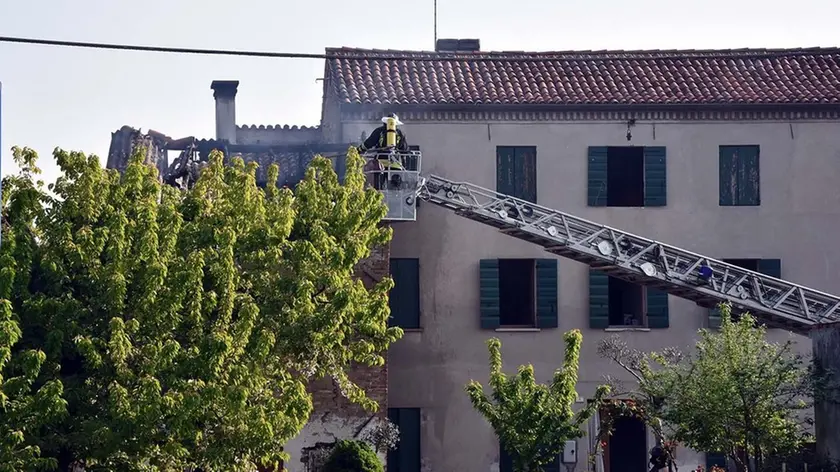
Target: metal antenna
[435, 1]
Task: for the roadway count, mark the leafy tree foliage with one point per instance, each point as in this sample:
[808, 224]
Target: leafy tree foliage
[24, 405]
[183, 326]
[533, 420]
[737, 393]
[352, 456]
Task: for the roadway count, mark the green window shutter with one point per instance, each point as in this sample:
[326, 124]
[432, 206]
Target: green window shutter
[714, 318]
[404, 299]
[599, 299]
[505, 460]
[546, 293]
[506, 170]
[406, 456]
[771, 267]
[489, 293]
[597, 176]
[656, 183]
[712, 459]
[657, 308]
[525, 174]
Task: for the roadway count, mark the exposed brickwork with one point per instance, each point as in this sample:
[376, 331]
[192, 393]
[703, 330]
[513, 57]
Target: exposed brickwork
[373, 380]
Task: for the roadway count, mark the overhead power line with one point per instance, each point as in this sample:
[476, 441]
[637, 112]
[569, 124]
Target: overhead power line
[504, 56]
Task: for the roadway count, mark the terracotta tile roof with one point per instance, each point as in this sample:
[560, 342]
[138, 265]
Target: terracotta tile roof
[745, 76]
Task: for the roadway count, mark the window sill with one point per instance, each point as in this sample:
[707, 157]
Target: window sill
[518, 330]
[618, 329]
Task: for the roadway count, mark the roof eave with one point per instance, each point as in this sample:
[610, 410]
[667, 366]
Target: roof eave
[534, 107]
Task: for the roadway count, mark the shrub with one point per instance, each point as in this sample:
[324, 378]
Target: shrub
[353, 456]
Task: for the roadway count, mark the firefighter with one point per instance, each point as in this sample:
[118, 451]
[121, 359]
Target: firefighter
[386, 138]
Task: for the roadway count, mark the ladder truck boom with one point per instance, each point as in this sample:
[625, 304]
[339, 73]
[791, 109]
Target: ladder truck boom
[704, 280]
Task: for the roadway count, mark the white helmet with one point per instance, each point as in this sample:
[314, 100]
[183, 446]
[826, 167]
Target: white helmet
[394, 116]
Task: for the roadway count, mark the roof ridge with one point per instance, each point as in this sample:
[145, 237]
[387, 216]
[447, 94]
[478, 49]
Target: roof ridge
[600, 54]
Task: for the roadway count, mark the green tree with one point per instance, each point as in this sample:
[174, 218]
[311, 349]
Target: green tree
[533, 420]
[24, 406]
[739, 394]
[184, 326]
[352, 456]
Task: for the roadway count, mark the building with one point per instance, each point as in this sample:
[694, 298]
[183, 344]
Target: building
[728, 153]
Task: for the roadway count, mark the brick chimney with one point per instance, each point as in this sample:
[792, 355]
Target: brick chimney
[224, 91]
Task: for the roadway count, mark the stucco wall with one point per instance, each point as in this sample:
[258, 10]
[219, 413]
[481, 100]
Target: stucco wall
[796, 222]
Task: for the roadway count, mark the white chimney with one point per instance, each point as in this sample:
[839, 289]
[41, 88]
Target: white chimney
[224, 91]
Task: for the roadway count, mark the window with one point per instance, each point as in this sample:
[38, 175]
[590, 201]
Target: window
[740, 181]
[627, 176]
[516, 172]
[406, 456]
[506, 462]
[771, 267]
[616, 303]
[518, 293]
[404, 298]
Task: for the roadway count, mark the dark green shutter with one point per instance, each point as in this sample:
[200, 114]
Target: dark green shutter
[657, 308]
[656, 182]
[489, 293]
[406, 456]
[506, 170]
[728, 185]
[714, 318]
[525, 174]
[505, 460]
[597, 176]
[599, 299]
[553, 466]
[404, 299]
[712, 459]
[771, 267]
[546, 293]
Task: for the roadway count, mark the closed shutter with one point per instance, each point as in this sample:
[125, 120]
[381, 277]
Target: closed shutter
[597, 176]
[657, 309]
[599, 299]
[489, 309]
[404, 299]
[406, 456]
[714, 459]
[656, 184]
[525, 175]
[506, 170]
[546, 293]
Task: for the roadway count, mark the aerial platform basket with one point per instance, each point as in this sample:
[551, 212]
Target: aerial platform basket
[397, 183]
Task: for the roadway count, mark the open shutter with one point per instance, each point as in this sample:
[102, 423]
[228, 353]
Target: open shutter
[489, 293]
[406, 456]
[771, 267]
[597, 176]
[714, 459]
[505, 170]
[599, 299]
[546, 293]
[657, 308]
[656, 184]
[714, 318]
[728, 185]
[404, 299]
[525, 174]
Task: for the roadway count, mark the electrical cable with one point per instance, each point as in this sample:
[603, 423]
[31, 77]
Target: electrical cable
[429, 56]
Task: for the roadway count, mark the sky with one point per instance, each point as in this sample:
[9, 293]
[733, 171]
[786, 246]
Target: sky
[74, 98]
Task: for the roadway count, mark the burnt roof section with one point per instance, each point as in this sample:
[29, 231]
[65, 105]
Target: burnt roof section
[653, 77]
